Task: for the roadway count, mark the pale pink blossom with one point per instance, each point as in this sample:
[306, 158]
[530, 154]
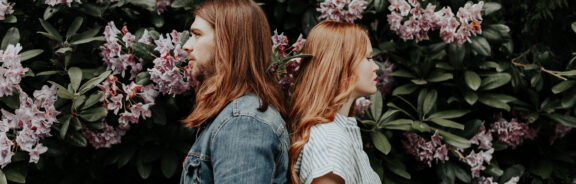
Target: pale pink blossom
[483, 138]
[5, 149]
[36, 152]
[512, 133]
[362, 105]
[6, 8]
[513, 180]
[559, 132]
[161, 5]
[426, 151]
[105, 138]
[341, 10]
[55, 2]
[145, 38]
[484, 180]
[476, 161]
[11, 70]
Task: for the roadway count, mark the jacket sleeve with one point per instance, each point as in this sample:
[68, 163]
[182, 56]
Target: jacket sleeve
[243, 151]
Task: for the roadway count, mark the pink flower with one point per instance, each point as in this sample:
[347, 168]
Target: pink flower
[116, 103]
[482, 138]
[148, 93]
[279, 40]
[161, 5]
[560, 131]
[341, 10]
[104, 139]
[298, 44]
[11, 70]
[145, 38]
[5, 149]
[126, 118]
[512, 133]
[362, 105]
[476, 160]
[131, 90]
[36, 151]
[6, 8]
[484, 180]
[55, 2]
[513, 180]
[426, 151]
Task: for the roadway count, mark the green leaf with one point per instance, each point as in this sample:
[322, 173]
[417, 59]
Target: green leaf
[3, 178]
[387, 46]
[397, 167]
[420, 126]
[449, 114]
[187, 4]
[169, 164]
[493, 170]
[11, 19]
[62, 91]
[569, 98]
[401, 73]
[87, 40]
[51, 30]
[12, 37]
[470, 97]
[93, 82]
[481, 45]
[444, 66]
[376, 106]
[77, 139]
[462, 174]
[493, 102]
[64, 127]
[48, 72]
[98, 125]
[379, 5]
[368, 122]
[456, 53]
[125, 156]
[158, 114]
[563, 86]
[30, 54]
[90, 34]
[77, 101]
[143, 78]
[92, 100]
[439, 77]
[50, 11]
[491, 34]
[544, 169]
[567, 73]
[501, 97]
[566, 120]
[146, 4]
[142, 50]
[91, 9]
[143, 169]
[447, 123]
[388, 114]
[405, 89]
[512, 171]
[75, 75]
[93, 114]
[63, 50]
[381, 142]
[75, 123]
[472, 80]
[430, 101]
[491, 7]
[419, 81]
[454, 140]
[74, 27]
[15, 175]
[574, 27]
[399, 124]
[495, 80]
[157, 20]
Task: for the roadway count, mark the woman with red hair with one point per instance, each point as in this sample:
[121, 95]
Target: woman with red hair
[326, 143]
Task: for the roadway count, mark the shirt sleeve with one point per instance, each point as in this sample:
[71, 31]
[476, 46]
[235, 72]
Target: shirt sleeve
[327, 151]
[243, 151]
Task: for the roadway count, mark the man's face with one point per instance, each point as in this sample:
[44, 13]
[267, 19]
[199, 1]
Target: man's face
[200, 48]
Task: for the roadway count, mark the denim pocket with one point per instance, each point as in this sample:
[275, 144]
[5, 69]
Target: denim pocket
[192, 169]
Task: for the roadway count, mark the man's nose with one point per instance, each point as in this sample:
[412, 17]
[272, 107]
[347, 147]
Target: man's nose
[188, 45]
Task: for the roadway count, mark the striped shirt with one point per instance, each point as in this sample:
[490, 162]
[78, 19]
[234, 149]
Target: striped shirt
[335, 147]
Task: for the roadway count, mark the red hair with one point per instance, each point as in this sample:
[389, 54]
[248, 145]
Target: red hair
[325, 81]
[243, 50]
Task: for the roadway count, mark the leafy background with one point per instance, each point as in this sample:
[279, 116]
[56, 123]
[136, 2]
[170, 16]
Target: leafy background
[522, 66]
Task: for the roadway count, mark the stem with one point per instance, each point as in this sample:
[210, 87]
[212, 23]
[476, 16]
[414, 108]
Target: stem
[554, 73]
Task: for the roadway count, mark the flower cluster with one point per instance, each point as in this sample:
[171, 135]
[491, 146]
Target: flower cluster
[512, 133]
[559, 132]
[411, 21]
[6, 8]
[115, 100]
[167, 74]
[385, 80]
[484, 180]
[286, 71]
[11, 70]
[426, 151]
[161, 5]
[342, 10]
[476, 160]
[29, 123]
[362, 105]
[55, 2]
[105, 139]
[112, 55]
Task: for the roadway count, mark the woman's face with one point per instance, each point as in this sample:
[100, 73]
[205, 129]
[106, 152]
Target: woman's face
[367, 77]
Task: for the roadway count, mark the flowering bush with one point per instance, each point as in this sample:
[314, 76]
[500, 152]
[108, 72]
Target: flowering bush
[477, 95]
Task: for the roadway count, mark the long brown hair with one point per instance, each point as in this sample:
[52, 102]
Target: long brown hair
[325, 81]
[243, 48]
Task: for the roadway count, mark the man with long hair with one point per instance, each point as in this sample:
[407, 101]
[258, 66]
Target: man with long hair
[241, 136]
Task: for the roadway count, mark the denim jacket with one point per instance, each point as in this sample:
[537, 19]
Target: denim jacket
[241, 145]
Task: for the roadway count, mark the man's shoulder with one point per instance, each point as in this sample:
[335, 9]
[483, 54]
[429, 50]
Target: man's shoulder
[245, 109]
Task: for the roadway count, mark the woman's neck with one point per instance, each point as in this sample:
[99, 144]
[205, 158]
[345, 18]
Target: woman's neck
[345, 109]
